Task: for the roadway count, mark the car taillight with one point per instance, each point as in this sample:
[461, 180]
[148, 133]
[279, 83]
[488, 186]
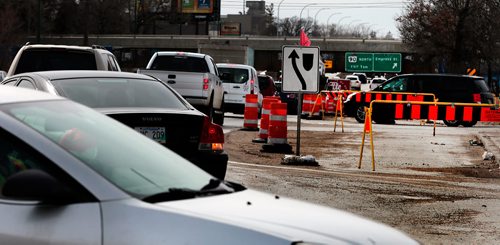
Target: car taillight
[476, 98]
[212, 136]
[205, 83]
[251, 86]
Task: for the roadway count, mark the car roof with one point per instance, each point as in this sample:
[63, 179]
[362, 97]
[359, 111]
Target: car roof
[232, 65]
[179, 53]
[439, 75]
[10, 94]
[30, 46]
[55, 75]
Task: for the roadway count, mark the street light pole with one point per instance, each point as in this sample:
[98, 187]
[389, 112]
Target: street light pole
[278, 21]
[316, 15]
[307, 5]
[328, 20]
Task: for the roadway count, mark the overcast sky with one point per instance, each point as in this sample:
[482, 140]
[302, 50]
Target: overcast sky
[379, 15]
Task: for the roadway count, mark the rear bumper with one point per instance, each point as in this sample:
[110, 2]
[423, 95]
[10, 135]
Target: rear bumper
[213, 163]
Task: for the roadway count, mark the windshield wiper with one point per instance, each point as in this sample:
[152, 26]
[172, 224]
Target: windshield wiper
[214, 187]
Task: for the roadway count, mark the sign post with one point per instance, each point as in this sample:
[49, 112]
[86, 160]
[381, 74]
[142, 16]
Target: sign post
[373, 62]
[300, 75]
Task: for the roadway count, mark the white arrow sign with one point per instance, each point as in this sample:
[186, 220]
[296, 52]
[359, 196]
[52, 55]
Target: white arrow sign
[300, 69]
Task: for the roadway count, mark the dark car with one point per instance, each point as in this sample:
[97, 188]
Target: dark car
[266, 85]
[143, 103]
[291, 99]
[446, 88]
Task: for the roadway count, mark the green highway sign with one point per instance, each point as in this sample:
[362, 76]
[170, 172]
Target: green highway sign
[373, 62]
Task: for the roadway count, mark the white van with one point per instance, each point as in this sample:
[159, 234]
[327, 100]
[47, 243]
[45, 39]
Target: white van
[239, 81]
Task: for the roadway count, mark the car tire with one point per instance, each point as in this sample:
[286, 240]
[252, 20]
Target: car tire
[452, 123]
[218, 116]
[359, 115]
[469, 124]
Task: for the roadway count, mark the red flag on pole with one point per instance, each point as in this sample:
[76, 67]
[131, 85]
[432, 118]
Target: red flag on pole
[304, 40]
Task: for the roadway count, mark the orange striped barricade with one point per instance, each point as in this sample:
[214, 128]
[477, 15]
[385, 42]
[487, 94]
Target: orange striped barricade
[317, 110]
[418, 110]
[330, 104]
[277, 141]
[251, 116]
[264, 120]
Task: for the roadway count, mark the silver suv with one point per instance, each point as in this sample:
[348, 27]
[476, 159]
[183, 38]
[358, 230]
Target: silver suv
[44, 57]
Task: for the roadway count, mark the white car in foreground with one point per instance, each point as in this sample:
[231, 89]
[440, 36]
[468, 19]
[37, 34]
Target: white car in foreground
[72, 175]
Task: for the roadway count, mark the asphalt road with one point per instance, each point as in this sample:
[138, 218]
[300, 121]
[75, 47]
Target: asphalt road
[438, 189]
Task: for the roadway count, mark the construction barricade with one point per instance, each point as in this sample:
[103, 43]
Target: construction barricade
[277, 140]
[418, 110]
[264, 120]
[251, 115]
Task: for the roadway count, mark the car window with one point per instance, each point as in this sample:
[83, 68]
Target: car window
[180, 63]
[26, 84]
[112, 65]
[128, 159]
[16, 156]
[238, 75]
[118, 92]
[55, 59]
[399, 84]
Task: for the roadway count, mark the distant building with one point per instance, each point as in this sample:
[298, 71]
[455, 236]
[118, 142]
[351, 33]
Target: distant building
[252, 22]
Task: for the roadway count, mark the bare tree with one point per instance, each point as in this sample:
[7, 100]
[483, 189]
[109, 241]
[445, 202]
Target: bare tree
[448, 31]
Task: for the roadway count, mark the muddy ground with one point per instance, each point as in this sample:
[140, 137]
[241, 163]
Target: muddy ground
[440, 193]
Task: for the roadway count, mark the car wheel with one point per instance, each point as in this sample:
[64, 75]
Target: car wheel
[218, 116]
[360, 114]
[452, 123]
[469, 124]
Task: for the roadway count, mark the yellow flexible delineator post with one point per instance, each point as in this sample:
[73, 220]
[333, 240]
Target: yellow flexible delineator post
[367, 127]
[338, 107]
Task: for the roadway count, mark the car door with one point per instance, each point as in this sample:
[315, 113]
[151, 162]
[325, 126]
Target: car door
[31, 222]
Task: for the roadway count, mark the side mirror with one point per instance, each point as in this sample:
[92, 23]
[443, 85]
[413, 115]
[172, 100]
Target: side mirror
[36, 185]
[226, 76]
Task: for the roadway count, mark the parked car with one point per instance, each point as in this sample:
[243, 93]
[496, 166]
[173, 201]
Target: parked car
[362, 77]
[48, 57]
[355, 82]
[143, 103]
[194, 76]
[72, 175]
[239, 80]
[446, 88]
[375, 82]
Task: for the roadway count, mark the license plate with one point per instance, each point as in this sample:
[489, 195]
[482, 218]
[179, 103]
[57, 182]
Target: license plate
[155, 133]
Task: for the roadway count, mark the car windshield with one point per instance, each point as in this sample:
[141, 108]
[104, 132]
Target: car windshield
[128, 159]
[118, 92]
[55, 59]
[179, 63]
[238, 75]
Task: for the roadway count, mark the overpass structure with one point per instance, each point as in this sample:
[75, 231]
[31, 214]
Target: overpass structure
[265, 51]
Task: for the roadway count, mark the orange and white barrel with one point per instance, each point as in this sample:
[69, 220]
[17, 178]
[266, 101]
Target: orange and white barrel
[264, 120]
[277, 124]
[307, 103]
[251, 116]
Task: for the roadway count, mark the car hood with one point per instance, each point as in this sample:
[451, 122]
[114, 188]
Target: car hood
[290, 219]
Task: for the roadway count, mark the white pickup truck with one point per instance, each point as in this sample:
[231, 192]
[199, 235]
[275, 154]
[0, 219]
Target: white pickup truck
[192, 75]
